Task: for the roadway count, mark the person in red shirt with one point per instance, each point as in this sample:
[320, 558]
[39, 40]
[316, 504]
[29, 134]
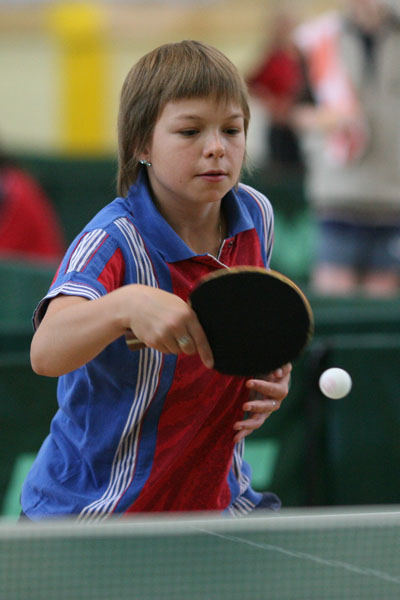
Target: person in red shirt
[29, 226]
[280, 81]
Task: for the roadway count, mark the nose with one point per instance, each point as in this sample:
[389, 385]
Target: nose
[214, 146]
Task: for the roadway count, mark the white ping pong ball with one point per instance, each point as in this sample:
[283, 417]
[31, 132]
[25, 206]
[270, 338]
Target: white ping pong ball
[335, 383]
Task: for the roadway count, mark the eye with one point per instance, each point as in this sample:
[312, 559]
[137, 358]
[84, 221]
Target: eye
[232, 130]
[188, 132]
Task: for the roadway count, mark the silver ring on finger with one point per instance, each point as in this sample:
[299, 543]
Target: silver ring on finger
[274, 403]
[183, 341]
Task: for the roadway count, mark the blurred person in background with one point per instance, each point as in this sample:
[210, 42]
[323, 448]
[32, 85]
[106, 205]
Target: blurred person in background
[352, 140]
[279, 82]
[29, 226]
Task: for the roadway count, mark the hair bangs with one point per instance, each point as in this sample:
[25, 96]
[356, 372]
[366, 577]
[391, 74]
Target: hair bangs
[194, 70]
[200, 80]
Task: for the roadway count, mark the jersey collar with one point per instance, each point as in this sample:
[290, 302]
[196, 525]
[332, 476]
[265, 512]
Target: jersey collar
[157, 232]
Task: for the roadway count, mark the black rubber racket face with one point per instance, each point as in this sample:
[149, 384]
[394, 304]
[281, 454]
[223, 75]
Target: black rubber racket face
[255, 320]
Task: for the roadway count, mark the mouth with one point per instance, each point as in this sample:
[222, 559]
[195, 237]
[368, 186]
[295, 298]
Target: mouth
[213, 172]
[213, 175]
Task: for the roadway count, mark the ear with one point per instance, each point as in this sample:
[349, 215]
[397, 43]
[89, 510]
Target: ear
[145, 153]
[144, 157]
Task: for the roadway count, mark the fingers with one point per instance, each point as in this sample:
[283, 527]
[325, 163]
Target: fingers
[247, 426]
[262, 405]
[274, 386]
[278, 373]
[191, 339]
[201, 344]
[195, 342]
[186, 337]
[184, 343]
[283, 369]
[266, 397]
[259, 411]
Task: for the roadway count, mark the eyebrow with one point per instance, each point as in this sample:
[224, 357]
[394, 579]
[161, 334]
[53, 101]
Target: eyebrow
[192, 117]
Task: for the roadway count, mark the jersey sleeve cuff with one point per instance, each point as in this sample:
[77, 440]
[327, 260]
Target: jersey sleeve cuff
[69, 288]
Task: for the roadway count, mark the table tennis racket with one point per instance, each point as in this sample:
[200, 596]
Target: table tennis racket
[255, 319]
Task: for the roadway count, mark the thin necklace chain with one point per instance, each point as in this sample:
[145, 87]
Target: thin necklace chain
[221, 237]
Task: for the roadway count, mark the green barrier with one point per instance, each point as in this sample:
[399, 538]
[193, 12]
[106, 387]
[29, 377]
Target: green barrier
[22, 286]
[363, 429]
[27, 404]
[293, 246]
[337, 452]
[77, 186]
[261, 455]
[354, 315]
[12, 504]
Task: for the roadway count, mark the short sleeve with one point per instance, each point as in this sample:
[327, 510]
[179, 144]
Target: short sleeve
[92, 267]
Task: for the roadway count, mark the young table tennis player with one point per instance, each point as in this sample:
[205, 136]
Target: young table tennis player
[159, 429]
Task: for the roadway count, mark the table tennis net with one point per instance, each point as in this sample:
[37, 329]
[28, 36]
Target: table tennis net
[292, 555]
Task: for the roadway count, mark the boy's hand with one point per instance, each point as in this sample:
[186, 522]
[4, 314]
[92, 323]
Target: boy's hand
[265, 398]
[165, 322]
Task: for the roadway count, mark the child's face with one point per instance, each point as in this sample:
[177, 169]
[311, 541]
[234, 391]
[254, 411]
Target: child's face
[196, 152]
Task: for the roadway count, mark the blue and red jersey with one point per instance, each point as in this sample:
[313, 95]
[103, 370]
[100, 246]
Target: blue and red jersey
[143, 431]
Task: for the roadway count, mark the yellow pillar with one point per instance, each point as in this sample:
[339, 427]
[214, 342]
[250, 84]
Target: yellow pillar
[80, 30]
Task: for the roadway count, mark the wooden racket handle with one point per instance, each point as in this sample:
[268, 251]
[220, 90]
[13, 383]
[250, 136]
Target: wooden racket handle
[132, 341]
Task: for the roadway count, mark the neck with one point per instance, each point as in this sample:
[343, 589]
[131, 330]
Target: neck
[206, 239]
[203, 233]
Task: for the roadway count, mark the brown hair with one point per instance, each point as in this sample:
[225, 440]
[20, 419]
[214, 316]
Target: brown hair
[186, 69]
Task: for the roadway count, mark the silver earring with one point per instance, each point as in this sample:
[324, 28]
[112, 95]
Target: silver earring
[145, 162]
